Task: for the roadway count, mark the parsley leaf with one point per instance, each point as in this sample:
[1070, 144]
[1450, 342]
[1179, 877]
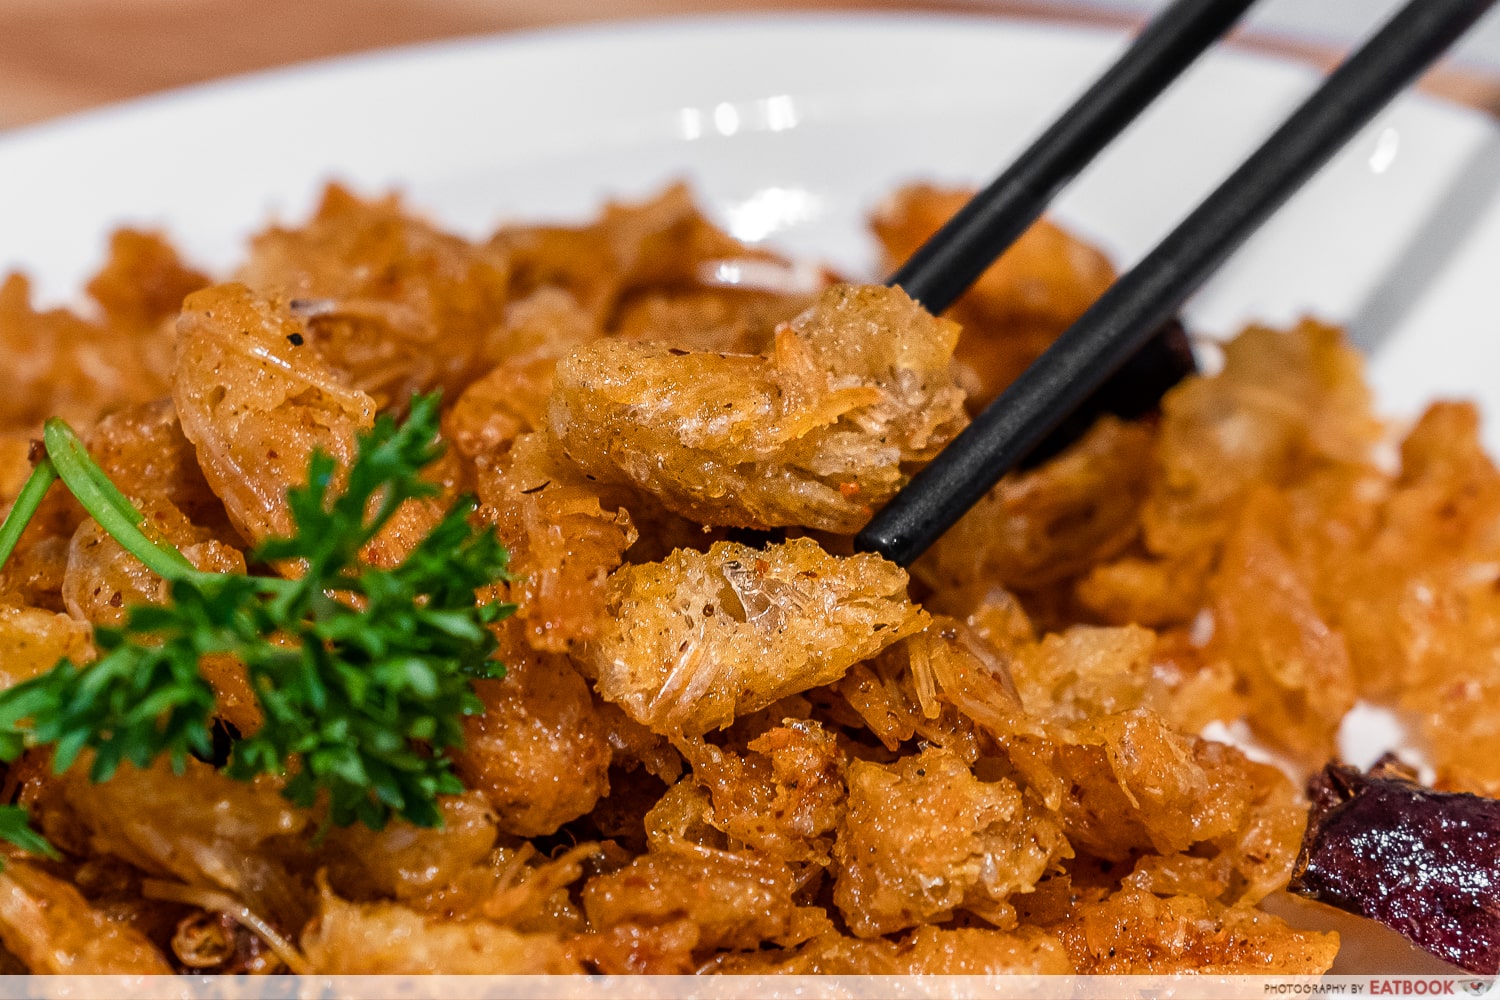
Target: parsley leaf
[14, 828]
[363, 674]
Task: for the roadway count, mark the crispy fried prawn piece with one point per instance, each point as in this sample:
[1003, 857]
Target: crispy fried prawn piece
[143, 451]
[405, 862]
[1119, 776]
[1045, 525]
[382, 939]
[103, 581]
[49, 926]
[255, 399]
[717, 319]
[727, 899]
[1136, 589]
[1083, 673]
[565, 535]
[817, 433]
[784, 797]
[663, 242]
[33, 640]
[540, 751]
[896, 698]
[142, 285]
[392, 305]
[1285, 404]
[693, 641]
[511, 399]
[16, 453]
[924, 838]
[1418, 602]
[938, 951]
[59, 364]
[1289, 411]
[200, 828]
[1190, 688]
[692, 893]
[1135, 931]
[1293, 666]
[1019, 305]
[33, 574]
[1128, 782]
[1072, 716]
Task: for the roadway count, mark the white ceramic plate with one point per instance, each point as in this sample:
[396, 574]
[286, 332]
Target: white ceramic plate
[791, 129]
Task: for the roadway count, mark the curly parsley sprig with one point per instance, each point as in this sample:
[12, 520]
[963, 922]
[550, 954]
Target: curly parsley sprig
[362, 674]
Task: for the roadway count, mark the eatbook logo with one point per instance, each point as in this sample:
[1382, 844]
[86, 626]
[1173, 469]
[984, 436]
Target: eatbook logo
[1430, 987]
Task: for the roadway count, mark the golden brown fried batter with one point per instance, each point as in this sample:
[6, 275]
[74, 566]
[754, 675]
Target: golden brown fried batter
[1019, 305]
[144, 452]
[725, 319]
[102, 579]
[565, 536]
[731, 899]
[539, 752]
[694, 641]
[709, 755]
[969, 951]
[404, 861]
[49, 926]
[199, 828]
[142, 285]
[1293, 666]
[33, 640]
[59, 364]
[661, 243]
[1285, 405]
[392, 305]
[816, 433]
[783, 798]
[1041, 527]
[895, 696]
[1134, 932]
[512, 398]
[256, 400]
[1418, 600]
[924, 838]
[386, 939]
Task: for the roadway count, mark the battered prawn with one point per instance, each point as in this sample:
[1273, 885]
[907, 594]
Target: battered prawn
[256, 400]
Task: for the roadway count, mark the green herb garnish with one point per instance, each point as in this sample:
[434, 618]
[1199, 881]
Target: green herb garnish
[24, 509]
[15, 827]
[362, 674]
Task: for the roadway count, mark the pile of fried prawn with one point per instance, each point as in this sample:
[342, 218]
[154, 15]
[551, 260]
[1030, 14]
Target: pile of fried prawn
[725, 742]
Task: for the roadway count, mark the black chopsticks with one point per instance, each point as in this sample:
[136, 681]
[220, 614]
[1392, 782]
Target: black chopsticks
[950, 261]
[953, 258]
[1151, 292]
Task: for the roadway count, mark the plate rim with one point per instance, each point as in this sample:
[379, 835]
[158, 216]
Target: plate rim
[407, 56]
